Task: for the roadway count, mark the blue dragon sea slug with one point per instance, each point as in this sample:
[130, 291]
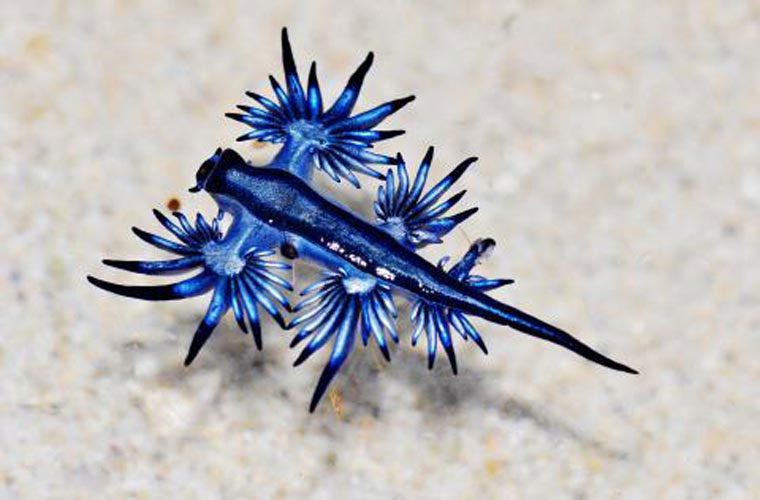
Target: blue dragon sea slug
[367, 265]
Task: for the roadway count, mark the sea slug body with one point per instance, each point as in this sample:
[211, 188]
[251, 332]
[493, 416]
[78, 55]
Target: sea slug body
[367, 265]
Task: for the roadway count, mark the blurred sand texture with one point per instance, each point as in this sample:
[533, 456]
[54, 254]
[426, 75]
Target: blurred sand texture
[619, 172]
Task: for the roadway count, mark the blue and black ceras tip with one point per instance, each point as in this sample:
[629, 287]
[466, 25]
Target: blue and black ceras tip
[366, 265]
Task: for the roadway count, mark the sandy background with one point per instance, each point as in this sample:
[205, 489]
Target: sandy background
[619, 147]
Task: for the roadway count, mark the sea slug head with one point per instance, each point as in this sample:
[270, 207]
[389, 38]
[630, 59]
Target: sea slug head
[225, 168]
[211, 169]
[205, 170]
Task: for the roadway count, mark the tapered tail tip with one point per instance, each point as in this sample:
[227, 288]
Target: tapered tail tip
[626, 369]
[608, 363]
[603, 360]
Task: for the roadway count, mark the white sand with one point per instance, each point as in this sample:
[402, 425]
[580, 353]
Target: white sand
[619, 171]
